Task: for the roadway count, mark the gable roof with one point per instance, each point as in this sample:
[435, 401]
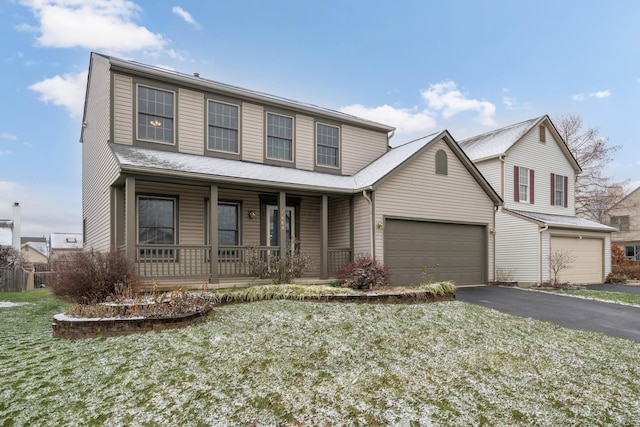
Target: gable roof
[628, 196]
[40, 247]
[562, 221]
[498, 142]
[195, 81]
[66, 240]
[190, 166]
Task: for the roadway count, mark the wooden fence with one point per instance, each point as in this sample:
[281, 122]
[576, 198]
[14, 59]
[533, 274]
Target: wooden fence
[14, 279]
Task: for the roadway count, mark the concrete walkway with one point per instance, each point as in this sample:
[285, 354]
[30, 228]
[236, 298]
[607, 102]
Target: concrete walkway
[577, 313]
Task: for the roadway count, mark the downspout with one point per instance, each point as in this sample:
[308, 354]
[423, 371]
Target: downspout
[372, 230]
[540, 231]
[501, 158]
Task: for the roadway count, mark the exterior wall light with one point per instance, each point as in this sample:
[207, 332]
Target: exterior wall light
[252, 214]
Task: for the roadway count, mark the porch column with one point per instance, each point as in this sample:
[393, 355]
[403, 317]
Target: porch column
[213, 233]
[324, 238]
[352, 226]
[130, 217]
[282, 222]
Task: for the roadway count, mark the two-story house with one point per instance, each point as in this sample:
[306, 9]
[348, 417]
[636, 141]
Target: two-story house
[532, 169]
[188, 176]
[625, 216]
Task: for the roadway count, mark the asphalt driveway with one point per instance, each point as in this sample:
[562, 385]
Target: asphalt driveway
[577, 313]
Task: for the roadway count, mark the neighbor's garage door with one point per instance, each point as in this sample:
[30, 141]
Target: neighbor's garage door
[589, 259]
[455, 252]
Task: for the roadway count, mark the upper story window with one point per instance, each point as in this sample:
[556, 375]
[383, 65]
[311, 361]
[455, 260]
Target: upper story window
[441, 162]
[223, 127]
[559, 195]
[155, 114]
[523, 184]
[279, 137]
[543, 133]
[620, 222]
[327, 145]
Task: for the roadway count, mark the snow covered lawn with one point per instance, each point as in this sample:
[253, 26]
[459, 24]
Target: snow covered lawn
[293, 363]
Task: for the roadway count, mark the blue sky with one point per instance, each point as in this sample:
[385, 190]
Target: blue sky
[465, 66]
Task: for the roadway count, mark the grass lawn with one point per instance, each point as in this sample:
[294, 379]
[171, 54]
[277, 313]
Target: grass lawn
[308, 363]
[606, 295]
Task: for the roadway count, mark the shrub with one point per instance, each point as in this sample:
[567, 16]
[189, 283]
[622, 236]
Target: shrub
[93, 277]
[617, 255]
[364, 273]
[279, 269]
[630, 270]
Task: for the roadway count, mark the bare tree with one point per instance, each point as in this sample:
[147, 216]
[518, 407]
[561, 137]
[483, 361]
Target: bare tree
[593, 153]
[559, 261]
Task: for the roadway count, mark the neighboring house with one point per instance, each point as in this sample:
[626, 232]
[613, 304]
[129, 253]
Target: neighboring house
[531, 168]
[161, 148]
[64, 243]
[35, 251]
[625, 216]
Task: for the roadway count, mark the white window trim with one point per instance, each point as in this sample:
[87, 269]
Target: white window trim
[174, 118]
[555, 190]
[524, 196]
[293, 137]
[338, 157]
[175, 218]
[209, 101]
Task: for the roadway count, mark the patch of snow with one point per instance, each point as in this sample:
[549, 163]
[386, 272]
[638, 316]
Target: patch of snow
[64, 317]
[5, 304]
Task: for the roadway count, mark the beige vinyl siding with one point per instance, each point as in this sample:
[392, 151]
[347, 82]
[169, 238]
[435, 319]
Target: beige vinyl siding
[518, 247]
[252, 133]
[339, 223]
[492, 171]
[310, 232]
[360, 147]
[305, 142]
[629, 206]
[544, 159]
[415, 191]
[191, 116]
[99, 167]
[122, 109]
[361, 226]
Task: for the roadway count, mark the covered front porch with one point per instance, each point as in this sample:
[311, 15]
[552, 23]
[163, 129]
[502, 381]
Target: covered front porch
[170, 231]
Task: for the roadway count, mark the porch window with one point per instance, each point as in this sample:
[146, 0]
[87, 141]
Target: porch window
[223, 127]
[327, 145]
[156, 225]
[279, 137]
[228, 227]
[155, 114]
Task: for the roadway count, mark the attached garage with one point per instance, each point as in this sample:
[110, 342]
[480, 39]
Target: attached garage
[588, 266]
[448, 251]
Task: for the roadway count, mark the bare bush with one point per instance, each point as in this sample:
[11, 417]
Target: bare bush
[559, 261]
[364, 273]
[505, 275]
[93, 277]
[279, 269]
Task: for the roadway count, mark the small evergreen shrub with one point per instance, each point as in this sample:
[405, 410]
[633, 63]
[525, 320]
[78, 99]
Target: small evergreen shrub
[93, 277]
[364, 273]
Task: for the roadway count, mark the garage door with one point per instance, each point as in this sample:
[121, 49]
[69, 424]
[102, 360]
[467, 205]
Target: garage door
[455, 252]
[589, 258]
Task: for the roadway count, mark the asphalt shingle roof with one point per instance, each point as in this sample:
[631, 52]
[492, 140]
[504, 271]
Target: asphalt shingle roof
[565, 221]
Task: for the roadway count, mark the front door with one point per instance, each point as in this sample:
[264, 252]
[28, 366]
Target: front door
[273, 229]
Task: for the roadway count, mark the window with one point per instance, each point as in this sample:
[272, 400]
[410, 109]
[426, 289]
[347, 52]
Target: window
[543, 133]
[632, 253]
[620, 222]
[327, 145]
[155, 114]
[523, 181]
[559, 190]
[441, 162]
[223, 127]
[228, 222]
[279, 137]
[156, 225]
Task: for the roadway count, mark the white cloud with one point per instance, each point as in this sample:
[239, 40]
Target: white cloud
[6, 153]
[445, 96]
[67, 91]
[405, 120]
[578, 97]
[92, 24]
[8, 136]
[601, 94]
[508, 102]
[185, 15]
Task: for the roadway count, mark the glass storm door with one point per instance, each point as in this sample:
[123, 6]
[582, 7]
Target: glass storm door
[273, 231]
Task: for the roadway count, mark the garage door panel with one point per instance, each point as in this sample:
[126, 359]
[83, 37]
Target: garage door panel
[588, 266]
[448, 251]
